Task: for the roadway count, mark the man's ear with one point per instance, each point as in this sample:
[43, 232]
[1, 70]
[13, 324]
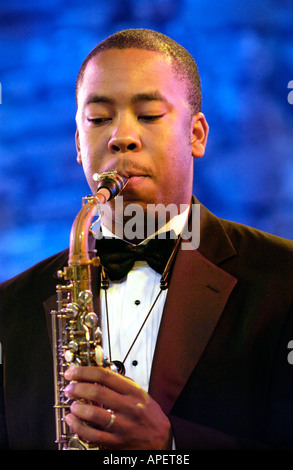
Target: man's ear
[77, 144]
[199, 135]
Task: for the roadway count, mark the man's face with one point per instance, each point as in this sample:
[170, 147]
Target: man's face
[133, 117]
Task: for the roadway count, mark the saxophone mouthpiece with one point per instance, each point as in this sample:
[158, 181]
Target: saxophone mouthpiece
[112, 181]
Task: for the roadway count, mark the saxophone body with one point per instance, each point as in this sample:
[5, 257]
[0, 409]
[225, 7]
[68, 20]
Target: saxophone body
[77, 338]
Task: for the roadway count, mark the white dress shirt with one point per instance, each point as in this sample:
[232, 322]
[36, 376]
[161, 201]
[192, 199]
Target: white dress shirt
[129, 302]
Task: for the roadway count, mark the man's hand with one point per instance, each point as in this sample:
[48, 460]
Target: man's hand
[138, 421]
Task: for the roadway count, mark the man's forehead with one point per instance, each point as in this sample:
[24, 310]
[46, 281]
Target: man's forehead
[149, 69]
[131, 58]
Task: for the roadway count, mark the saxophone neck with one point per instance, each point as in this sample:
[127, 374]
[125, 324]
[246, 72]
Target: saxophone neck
[110, 184]
[78, 251]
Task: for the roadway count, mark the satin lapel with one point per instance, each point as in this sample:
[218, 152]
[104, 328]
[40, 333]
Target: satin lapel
[197, 295]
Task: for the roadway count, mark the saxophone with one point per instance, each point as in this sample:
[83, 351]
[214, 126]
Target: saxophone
[77, 338]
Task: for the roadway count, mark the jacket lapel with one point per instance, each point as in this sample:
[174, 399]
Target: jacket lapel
[197, 295]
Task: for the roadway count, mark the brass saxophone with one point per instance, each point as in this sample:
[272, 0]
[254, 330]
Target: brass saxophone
[77, 338]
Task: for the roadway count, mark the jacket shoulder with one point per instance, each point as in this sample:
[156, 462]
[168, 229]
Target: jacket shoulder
[40, 277]
[240, 234]
[260, 249]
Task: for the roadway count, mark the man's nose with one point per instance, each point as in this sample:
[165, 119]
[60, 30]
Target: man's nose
[124, 139]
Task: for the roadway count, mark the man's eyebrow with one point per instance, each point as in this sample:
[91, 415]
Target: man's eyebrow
[146, 96]
[94, 98]
[149, 96]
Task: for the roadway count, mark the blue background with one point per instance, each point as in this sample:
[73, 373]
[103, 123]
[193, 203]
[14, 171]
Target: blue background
[244, 50]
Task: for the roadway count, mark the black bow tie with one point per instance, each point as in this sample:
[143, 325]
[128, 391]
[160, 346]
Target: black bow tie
[118, 257]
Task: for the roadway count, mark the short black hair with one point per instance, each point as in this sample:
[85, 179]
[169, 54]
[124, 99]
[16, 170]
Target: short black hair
[184, 64]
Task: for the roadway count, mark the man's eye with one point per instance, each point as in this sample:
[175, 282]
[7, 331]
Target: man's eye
[98, 121]
[150, 118]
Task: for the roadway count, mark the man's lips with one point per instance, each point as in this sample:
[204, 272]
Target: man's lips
[133, 180]
[133, 174]
[134, 177]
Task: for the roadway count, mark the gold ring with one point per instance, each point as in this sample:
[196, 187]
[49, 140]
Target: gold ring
[140, 405]
[112, 420]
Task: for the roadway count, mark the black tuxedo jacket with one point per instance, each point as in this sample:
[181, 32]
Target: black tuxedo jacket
[220, 370]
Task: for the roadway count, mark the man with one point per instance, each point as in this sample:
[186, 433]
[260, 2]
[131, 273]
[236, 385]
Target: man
[209, 368]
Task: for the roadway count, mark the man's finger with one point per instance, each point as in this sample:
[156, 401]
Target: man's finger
[102, 376]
